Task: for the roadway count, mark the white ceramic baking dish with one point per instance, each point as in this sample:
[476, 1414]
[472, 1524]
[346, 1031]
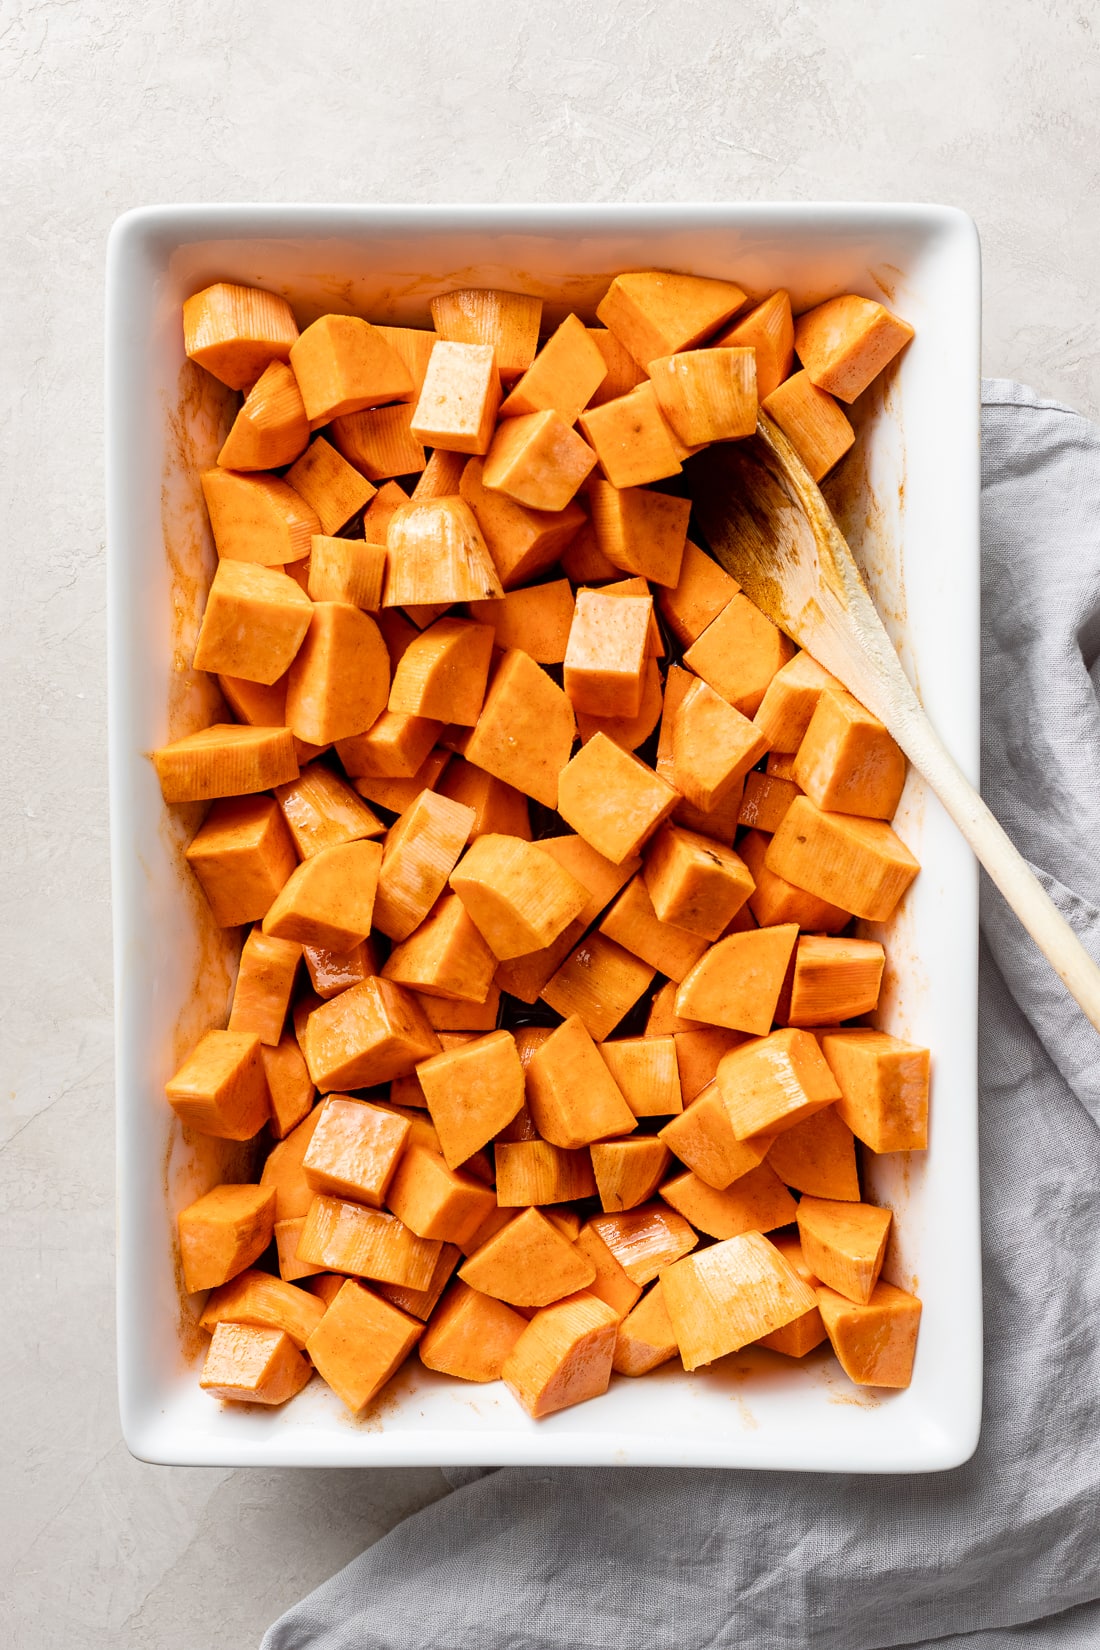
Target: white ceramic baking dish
[908, 497]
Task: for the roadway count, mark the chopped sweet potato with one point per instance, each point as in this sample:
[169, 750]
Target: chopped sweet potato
[265, 980]
[765, 800]
[538, 460]
[420, 851]
[775, 1082]
[344, 365]
[283, 1174]
[599, 982]
[459, 398]
[623, 372]
[257, 518]
[531, 1173]
[844, 1243]
[562, 378]
[525, 731]
[883, 1088]
[632, 923]
[695, 883]
[473, 1091]
[508, 321]
[774, 900]
[519, 898]
[612, 799]
[242, 855]
[861, 864]
[655, 312]
[536, 620]
[646, 1338]
[645, 1240]
[640, 531]
[269, 1303]
[250, 1365]
[331, 972]
[221, 1089]
[379, 442]
[395, 746]
[600, 876]
[236, 331]
[444, 957]
[756, 1201]
[736, 983]
[739, 653]
[628, 732]
[606, 655]
[354, 1150]
[713, 746]
[470, 1335]
[563, 1356]
[802, 1334]
[707, 394]
[360, 1343]
[443, 673]
[421, 1303]
[329, 899]
[290, 1091]
[788, 705]
[291, 1269]
[813, 422]
[847, 762]
[522, 542]
[730, 1294]
[845, 342]
[628, 1172]
[369, 1243]
[498, 809]
[646, 1071]
[225, 760]
[528, 1263]
[768, 330]
[702, 1137]
[572, 1095]
[222, 1232]
[367, 1035]
[339, 681]
[875, 1341]
[818, 1156]
[834, 980]
[437, 1201]
[271, 428]
[632, 439]
[321, 810]
[700, 593]
[333, 488]
[436, 553]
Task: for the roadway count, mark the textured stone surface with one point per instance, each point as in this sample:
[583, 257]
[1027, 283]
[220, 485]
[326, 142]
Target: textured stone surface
[104, 106]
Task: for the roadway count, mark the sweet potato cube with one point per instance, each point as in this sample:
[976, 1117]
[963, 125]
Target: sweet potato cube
[646, 1072]
[340, 678]
[436, 553]
[265, 980]
[714, 746]
[420, 851]
[695, 883]
[600, 876]
[526, 977]
[640, 531]
[606, 654]
[236, 331]
[739, 653]
[818, 1156]
[538, 460]
[598, 982]
[774, 900]
[360, 1343]
[473, 1091]
[508, 321]
[859, 863]
[646, 1338]
[834, 980]
[395, 746]
[242, 855]
[246, 1364]
[765, 800]
[367, 1035]
[707, 394]
[254, 703]
[268, 1303]
[452, 1016]
[458, 402]
[582, 560]
[522, 542]
[876, 1341]
[528, 1263]
[333, 488]
[225, 760]
[775, 1082]
[531, 1173]
[611, 1284]
[291, 1269]
[369, 1243]
[562, 378]
[221, 1089]
[802, 1334]
[768, 330]
[700, 593]
[519, 898]
[329, 899]
[844, 1244]
[283, 1174]
[813, 422]
[792, 696]
[470, 1335]
[379, 442]
[525, 731]
[572, 1095]
[631, 439]
[347, 570]
[845, 342]
[657, 312]
[699, 1053]
[421, 1303]
[883, 1088]
[321, 810]
[730, 1294]
[632, 923]
[702, 1137]
[623, 372]
[563, 1356]
[443, 673]
[628, 1172]
[289, 1087]
[756, 1201]
[257, 518]
[847, 762]
[331, 972]
[354, 1150]
[736, 983]
[223, 1232]
[414, 346]
[399, 794]
[628, 732]
[441, 477]
[612, 799]
[344, 365]
[498, 809]
[436, 1201]
[444, 957]
[536, 620]
[271, 428]
[326, 1285]
[645, 1240]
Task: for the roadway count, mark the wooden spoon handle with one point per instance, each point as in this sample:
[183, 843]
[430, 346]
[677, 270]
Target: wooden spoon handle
[1003, 861]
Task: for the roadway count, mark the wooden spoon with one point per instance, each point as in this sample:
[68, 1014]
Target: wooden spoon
[768, 526]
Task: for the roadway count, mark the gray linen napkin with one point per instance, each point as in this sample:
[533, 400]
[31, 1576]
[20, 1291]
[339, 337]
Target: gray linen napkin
[1004, 1553]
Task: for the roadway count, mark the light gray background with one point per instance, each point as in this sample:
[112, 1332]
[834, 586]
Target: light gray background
[104, 106]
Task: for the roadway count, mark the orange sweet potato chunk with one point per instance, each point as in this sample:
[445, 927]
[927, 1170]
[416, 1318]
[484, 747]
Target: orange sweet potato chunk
[225, 760]
[444, 672]
[242, 855]
[847, 762]
[271, 429]
[257, 517]
[370, 1243]
[470, 1335]
[536, 620]
[641, 531]
[804, 1333]
[606, 654]
[628, 1172]
[844, 1244]
[774, 900]
[506, 321]
[265, 980]
[657, 312]
[367, 1035]
[246, 1364]
[354, 1150]
[360, 1343]
[528, 1263]
[739, 653]
[768, 330]
[459, 398]
[563, 377]
[538, 460]
[645, 1240]
[645, 1069]
[730, 1294]
[883, 1087]
[632, 923]
[525, 731]
[522, 542]
[498, 808]
[612, 799]
[598, 981]
[563, 1356]
[702, 1137]
[707, 394]
[321, 810]
[846, 341]
[694, 882]
[813, 422]
[875, 1342]
[221, 1089]
[339, 681]
[818, 1156]
[344, 365]
[223, 1232]
[632, 439]
[532, 1172]
[236, 331]
[861, 864]
[519, 898]
[473, 1091]
[646, 1338]
[756, 1202]
[289, 1087]
[269, 1303]
[787, 707]
[436, 1201]
[420, 851]
[736, 983]
[444, 957]
[572, 1095]
[702, 590]
[329, 899]
[774, 1082]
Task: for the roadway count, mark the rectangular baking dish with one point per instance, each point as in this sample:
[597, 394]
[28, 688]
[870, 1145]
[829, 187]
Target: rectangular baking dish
[908, 498]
